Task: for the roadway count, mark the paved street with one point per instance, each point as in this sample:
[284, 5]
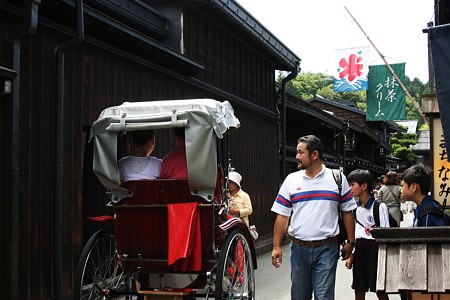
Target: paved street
[274, 283]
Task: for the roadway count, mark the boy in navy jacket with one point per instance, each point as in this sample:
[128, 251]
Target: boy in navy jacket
[415, 187]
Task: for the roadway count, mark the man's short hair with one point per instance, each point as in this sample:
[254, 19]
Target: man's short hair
[420, 174]
[313, 143]
[361, 176]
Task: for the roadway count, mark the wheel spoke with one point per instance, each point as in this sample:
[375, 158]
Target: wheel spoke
[235, 271]
[100, 271]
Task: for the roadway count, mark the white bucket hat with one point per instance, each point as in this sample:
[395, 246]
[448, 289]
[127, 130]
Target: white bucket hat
[235, 177]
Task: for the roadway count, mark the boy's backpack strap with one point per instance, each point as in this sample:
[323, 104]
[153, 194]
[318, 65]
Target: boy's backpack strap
[376, 216]
[435, 209]
[376, 213]
[342, 237]
[338, 178]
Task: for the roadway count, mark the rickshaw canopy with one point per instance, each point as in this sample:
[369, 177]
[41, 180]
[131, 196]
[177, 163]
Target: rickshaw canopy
[203, 119]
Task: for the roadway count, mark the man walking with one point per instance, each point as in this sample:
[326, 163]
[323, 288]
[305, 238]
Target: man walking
[312, 196]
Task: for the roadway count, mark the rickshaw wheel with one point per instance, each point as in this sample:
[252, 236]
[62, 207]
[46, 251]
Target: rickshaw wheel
[99, 271]
[235, 278]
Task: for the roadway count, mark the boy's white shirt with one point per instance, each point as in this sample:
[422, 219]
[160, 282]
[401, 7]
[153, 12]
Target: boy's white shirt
[365, 217]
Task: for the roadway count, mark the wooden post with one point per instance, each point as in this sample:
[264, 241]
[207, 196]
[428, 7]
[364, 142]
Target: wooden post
[416, 104]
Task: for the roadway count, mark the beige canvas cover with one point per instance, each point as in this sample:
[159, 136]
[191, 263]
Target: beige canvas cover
[203, 119]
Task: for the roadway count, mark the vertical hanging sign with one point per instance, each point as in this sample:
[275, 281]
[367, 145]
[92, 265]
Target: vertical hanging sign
[441, 165]
[351, 69]
[439, 38]
[385, 97]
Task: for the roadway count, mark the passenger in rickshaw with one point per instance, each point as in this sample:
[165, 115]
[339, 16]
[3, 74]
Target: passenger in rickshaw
[140, 165]
[240, 203]
[174, 164]
[143, 248]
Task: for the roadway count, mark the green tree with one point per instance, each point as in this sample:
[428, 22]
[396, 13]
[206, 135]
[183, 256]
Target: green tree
[342, 97]
[308, 84]
[424, 127]
[401, 143]
[416, 88]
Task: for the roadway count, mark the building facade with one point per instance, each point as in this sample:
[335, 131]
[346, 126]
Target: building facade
[63, 61]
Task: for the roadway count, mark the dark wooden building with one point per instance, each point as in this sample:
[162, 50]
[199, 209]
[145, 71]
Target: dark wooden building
[367, 144]
[63, 61]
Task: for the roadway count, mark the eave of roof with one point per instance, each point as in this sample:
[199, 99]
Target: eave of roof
[317, 113]
[148, 19]
[319, 98]
[287, 60]
[99, 25]
[336, 122]
[170, 53]
[7, 73]
[411, 125]
[368, 131]
[336, 104]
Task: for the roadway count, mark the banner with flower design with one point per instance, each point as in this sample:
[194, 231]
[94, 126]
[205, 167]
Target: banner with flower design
[351, 69]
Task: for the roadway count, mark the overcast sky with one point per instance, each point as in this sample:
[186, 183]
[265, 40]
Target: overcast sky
[314, 29]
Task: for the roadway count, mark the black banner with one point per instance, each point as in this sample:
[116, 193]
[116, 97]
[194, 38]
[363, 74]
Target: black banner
[439, 38]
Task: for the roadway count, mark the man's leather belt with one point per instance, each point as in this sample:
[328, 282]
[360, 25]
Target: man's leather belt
[313, 244]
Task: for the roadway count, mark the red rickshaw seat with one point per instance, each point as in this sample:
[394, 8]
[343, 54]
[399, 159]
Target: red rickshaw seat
[142, 223]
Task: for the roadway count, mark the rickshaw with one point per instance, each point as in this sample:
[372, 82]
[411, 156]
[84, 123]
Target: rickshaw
[167, 232]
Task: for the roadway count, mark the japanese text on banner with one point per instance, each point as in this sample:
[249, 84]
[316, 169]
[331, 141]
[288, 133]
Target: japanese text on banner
[441, 165]
[385, 97]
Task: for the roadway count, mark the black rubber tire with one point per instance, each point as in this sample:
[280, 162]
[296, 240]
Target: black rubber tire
[235, 277]
[99, 270]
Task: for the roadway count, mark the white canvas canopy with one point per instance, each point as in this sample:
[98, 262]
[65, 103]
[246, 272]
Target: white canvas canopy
[203, 119]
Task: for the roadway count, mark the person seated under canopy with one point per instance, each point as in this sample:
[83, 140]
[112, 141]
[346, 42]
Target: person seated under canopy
[174, 164]
[140, 165]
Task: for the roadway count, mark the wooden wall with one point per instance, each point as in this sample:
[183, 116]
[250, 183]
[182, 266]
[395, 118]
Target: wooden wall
[96, 77]
[231, 63]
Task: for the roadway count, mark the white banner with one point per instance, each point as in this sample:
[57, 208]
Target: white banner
[352, 69]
